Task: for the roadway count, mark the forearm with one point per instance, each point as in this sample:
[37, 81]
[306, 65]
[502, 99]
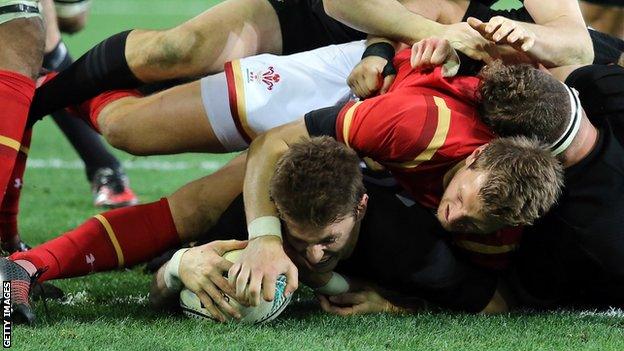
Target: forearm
[560, 43]
[263, 155]
[161, 296]
[395, 21]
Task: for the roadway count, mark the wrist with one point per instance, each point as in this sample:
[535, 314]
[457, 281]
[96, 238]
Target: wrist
[336, 285]
[265, 226]
[172, 271]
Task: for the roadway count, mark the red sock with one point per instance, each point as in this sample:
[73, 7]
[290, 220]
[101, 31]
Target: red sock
[90, 109]
[16, 92]
[119, 238]
[10, 203]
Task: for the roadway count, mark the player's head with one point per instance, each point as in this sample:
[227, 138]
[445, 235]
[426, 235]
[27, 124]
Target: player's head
[318, 190]
[523, 100]
[508, 182]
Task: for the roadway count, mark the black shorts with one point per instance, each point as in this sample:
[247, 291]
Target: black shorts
[306, 26]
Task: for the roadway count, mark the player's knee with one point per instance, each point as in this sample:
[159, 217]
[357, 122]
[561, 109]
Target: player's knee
[116, 131]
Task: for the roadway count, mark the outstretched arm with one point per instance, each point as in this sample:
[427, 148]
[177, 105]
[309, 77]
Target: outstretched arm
[264, 258]
[559, 36]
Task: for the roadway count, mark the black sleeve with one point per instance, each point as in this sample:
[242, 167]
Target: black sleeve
[322, 122]
[401, 248]
[601, 89]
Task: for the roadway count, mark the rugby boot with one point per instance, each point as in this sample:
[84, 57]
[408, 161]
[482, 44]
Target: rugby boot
[21, 311]
[111, 189]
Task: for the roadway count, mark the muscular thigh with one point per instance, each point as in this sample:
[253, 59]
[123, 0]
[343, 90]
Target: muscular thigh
[230, 30]
[22, 41]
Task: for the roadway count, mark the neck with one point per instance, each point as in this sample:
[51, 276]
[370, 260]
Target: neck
[582, 145]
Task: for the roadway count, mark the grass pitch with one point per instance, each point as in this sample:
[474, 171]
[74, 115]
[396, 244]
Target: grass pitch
[110, 312]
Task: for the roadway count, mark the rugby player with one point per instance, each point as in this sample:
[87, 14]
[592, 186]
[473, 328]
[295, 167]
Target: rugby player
[108, 181]
[572, 256]
[128, 236]
[426, 155]
[239, 28]
[22, 40]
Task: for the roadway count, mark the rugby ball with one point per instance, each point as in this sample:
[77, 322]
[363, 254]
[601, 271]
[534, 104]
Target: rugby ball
[265, 312]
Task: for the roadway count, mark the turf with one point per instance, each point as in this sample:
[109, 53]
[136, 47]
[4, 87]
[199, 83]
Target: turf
[109, 311]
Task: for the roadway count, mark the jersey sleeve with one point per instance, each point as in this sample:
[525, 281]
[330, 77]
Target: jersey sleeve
[389, 128]
[322, 122]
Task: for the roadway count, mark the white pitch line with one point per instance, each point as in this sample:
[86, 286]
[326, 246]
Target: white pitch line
[56, 163]
[156, 8]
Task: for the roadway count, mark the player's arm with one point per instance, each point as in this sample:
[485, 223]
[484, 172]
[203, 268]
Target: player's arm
[161, 296]
[199, 269]
[559, 36]
[402, 21]
[376, 72]
[264, 258]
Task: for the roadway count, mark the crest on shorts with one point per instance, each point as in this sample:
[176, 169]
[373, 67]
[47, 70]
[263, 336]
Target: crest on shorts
[267, 77]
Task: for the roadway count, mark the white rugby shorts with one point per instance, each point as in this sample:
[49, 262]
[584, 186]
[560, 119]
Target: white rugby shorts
[257, 93]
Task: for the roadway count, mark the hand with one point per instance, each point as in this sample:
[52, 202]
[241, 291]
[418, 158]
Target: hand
[502, 30]
[466, 39]
[432, 52]
[258, 266]
[361, 302]
[366, 78]
[201, 270]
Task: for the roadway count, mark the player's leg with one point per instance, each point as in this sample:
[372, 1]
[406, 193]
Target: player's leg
[108, 181]
[232, 29]
[604, 16]
[225, 111]
[128, 236]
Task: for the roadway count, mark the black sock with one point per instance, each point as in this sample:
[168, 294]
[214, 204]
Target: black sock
[87, 142]
[102, 68]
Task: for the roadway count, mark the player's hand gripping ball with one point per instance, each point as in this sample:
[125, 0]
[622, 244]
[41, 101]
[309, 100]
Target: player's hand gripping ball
[266, 311]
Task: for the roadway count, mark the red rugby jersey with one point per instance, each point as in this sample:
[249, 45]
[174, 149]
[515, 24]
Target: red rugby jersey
[421, 128]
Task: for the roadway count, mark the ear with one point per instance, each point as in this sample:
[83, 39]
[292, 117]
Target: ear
[475, 155]
[361, 207]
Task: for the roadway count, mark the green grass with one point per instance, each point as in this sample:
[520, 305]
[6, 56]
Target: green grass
[109, 311]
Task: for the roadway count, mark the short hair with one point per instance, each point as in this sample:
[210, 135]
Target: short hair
[523, 180]
[317, 182]
[522, 100]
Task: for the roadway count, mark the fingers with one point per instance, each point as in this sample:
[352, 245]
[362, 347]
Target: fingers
[219, 299]
[241, 283]
[268, 287]
[417, 51]
[478, 25]
[292, 280]
[233, 273]
[223, 285]
[427, 53]
[253, 291]
[348, 299]
[387, 82]
[503, 31]
[229, 245]
[209, 305]
[528, 44]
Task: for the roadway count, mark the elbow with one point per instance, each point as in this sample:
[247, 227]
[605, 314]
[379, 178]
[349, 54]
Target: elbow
[334, 8]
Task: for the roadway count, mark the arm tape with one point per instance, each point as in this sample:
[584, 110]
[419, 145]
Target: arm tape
[336, 285]
[267, 225]
[172, 277]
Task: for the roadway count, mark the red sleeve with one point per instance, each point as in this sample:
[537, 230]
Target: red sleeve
[389, 128]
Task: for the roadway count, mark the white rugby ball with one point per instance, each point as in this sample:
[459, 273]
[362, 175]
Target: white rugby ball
[266, 311]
